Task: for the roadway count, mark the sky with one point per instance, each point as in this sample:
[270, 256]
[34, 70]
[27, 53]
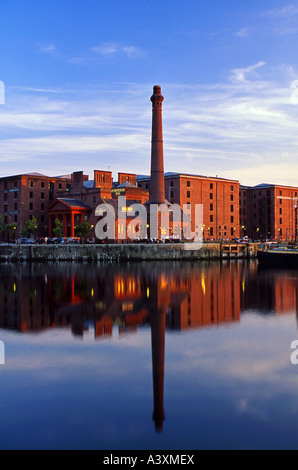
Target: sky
[77, 77]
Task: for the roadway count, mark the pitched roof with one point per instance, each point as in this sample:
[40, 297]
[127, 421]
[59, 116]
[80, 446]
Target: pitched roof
[127, 184]
[73, 203]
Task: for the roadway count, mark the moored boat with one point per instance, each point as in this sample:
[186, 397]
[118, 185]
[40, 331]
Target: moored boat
[283, 256]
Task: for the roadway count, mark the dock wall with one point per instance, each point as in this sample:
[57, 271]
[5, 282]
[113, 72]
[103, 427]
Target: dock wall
[124, 253]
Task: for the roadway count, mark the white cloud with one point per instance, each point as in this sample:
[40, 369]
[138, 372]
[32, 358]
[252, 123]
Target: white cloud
[243, 129]
[243, 33]
[288, 11]
[284, 19]
[112, 48]
[241, 74]
[48, 48]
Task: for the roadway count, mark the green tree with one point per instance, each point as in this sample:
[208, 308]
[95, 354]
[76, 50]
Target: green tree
[58, 230]
[24, 232]
[10, 229]
[2, 225]
[82, 230]
[32, 225]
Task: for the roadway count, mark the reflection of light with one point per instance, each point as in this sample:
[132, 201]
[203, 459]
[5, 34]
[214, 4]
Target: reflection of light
[92, 292]
[203, 286]
[243, 285]
[100, 305]
[163, 283]
[14, 288]
[127, 307]
[148, 292]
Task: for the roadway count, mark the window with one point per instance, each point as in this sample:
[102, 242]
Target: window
[15, 206]
[280, 221]
[188, 194]
[16, 218]
[15, 184]
[16, 195]
[42, 195]
[232, 197]
[172, 184]
[232, 232]
[42, 184]
[280, 193]
[94, 199]
[188, 184]
[232, 208]
[211, 207]
[232, 219]
[171, 194]
[211, 185]
[211, 231]
[211, 218]
[5, 186]
[211, 195]
[31, 184]
[42, 206]
[31, 206]
[232, 188]
[31, 195]
[280, 201]
[280, 211]
[60, 185]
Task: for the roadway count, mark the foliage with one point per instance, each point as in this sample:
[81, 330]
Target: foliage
[83, 230]
[58, 230]
[2, 225]
[31, 225]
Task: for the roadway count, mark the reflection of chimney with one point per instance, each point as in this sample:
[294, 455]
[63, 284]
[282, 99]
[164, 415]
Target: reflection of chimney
[157, 189]
[157, 310]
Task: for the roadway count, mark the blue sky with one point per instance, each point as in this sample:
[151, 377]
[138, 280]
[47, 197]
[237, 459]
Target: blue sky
[78, 77]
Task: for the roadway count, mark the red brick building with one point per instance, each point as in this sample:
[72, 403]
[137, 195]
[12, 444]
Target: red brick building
[83, 196]
[267, 211]
[28, 195]
[219, 197]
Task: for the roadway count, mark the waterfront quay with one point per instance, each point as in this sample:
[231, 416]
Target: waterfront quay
[127, 252]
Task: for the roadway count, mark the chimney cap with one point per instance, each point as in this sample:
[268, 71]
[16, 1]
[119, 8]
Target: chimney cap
[157, 90]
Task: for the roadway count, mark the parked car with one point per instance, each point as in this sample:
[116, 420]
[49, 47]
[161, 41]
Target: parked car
[25, 241]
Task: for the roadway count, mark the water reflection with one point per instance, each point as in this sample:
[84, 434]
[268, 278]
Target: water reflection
[161, 295]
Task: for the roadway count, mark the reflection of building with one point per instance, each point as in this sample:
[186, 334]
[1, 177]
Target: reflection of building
[124, 298]
[270, 292]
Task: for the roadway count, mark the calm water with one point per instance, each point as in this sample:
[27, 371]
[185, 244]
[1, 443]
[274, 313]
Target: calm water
[148, 356]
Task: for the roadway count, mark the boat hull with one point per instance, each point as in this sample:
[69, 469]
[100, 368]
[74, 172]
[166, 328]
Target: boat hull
[279, 259]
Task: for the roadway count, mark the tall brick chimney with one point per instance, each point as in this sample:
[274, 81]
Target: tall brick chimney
[157, 187]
